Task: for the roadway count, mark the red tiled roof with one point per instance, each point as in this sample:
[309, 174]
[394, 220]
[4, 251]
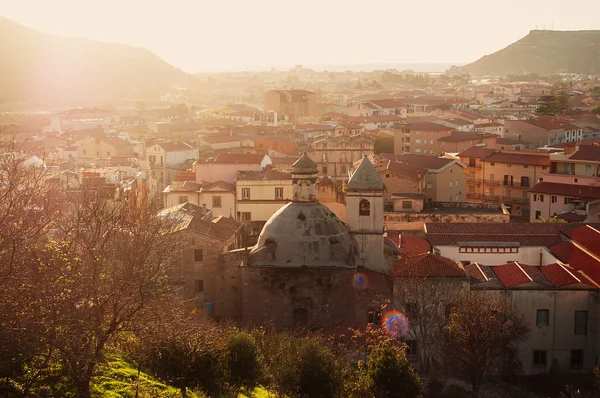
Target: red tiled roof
[552, 123]
[406, 170]
[474, 271]
[428, 266]
[588, 237]
[240, 158]
[519, 158]
[476, 152]
[426, 126]
[459, 136]
[218, 139]
[387, 103]
[572, 190]
[568, 253]
[587, 152]
[174, 146]
[511, 275]
[559, 275]
[409, 245]
[527, 234]
[423, 161]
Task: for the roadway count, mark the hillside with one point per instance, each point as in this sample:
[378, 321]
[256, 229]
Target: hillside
[544, 52]
[36, 66]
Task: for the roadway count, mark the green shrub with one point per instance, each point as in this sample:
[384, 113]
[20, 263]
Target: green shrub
[391, 373]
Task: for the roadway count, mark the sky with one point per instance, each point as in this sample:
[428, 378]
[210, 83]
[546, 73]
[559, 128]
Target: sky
[216, 35]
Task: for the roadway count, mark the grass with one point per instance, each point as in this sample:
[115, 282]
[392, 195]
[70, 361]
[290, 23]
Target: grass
[118, 379]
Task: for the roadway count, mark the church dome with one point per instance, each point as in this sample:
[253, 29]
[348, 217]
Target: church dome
[304, 234]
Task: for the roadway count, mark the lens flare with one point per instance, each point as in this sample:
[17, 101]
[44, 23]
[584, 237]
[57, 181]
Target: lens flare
[395, 323]
[360, 280]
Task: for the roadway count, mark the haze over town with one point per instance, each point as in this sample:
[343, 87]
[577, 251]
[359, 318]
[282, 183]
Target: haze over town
[201, 36]
[319, 199]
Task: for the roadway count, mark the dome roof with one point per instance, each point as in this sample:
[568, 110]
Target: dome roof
[304, 234]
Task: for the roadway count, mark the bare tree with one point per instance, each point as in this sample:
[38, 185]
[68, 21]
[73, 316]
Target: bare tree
[427, 303]
[483, 329]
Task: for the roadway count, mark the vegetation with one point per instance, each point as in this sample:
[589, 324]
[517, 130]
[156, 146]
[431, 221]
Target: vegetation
[391, 373]
[555, 104]
[481, 335]
[551, 220]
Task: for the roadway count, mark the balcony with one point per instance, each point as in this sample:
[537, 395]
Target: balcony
[474, 165]
[473, 195]
[516, 184]
[492, 182]
[473, 180]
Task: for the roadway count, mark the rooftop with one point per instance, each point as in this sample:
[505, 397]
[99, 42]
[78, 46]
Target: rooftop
[422, 161]
[365, 178]
[570, 190]
[519, 158]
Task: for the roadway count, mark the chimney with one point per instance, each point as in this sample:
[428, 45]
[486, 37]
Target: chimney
[204, 208]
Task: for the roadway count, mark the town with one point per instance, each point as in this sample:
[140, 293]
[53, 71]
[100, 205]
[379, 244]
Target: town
[314, 201]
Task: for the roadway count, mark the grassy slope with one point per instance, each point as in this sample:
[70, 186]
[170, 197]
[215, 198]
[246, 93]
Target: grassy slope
[119, 376]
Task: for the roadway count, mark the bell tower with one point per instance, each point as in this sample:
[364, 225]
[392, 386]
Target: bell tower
[364, 215]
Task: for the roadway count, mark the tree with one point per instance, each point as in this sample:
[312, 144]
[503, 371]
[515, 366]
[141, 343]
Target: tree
[427, 302]
[391, 373]
[551, 220]
[244, 361]
[561, 102]
[596, 109]
[547, 105]
[482, 332]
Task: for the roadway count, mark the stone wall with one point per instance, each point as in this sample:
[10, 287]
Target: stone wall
[298, 297]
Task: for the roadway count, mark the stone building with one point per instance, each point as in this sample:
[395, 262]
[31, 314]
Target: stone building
[304, 269]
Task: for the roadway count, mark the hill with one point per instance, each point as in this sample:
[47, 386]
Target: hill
[544, 52]
[37, 66]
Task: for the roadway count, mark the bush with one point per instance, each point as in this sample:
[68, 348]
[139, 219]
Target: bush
[392, 374]
[319, 372]
[244, 362]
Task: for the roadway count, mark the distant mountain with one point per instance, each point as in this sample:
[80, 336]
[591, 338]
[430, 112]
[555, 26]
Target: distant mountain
[38, 66]
[544, 52]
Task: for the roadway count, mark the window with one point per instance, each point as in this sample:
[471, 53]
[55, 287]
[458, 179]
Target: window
[411, 347]
[492, 164]
[542, 318]
[576, 359]
[429, 185]
[581, 322]
[568, 200]
[300, 316]
[541, 198]
[374, 316]
[245, 193]
[84, 151]
[198, 255]
[108, 154]
[216, 200]
[471, 189]
[199, 285]
[538, 214]
[407, 204]
[364, 207]
[278, 193]
[524, 182]
[526, 166]
[183, 199]
[450, 184]
[544, 167]
[246, 216]
[554, 199]
[456, 183]
[508, 165]
[539, 359]
[588, 169]
[324, 170]
[418, 150]
[417, 141]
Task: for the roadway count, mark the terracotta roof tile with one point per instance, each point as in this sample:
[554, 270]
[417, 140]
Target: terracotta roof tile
[511, 275]
[423, 161]
[426, 126]
[588, 237]
[570, 254]
[428, 266]
[474, 271]
[587, 152]
[559, 275]
[519, 158]
[476, 152]
[572, 190]
[240, 158]
[406, 170]
[263, 175]
[410, 245]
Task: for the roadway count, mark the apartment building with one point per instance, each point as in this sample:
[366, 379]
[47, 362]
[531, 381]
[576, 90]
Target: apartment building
[419, 137]
[458, 141]
[507, 177]
[543, 131]
[570, 190]
[261, 194]
[293, 104]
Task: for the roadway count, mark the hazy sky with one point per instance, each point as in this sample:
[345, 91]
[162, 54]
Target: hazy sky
[237, 34]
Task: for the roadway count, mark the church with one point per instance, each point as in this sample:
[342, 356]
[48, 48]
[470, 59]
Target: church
[308, 268]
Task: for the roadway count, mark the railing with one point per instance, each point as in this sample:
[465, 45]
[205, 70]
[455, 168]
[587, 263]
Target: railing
[515, 184]
[472, 195]
[492, 182]
[474, 165]
[469, 179]
[504, 199]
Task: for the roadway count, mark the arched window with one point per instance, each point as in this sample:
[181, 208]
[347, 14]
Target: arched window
[364, 208]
